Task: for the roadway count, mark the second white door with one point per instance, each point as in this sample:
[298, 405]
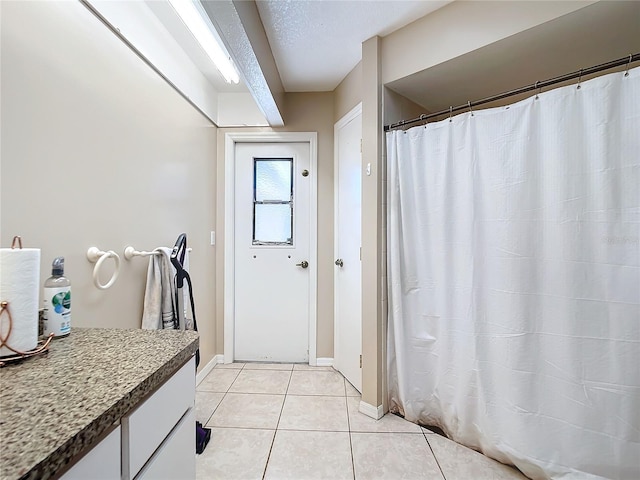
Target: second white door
[272, 274]
[348, 271]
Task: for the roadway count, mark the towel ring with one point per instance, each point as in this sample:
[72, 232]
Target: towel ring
[97, 256]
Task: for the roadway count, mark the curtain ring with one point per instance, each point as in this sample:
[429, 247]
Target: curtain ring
[450, 112]
[580, 79]
[469, 105]
[536, 87]
[626, 73]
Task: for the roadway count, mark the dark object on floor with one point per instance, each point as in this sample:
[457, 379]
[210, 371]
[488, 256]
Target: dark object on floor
[202, 437]
[435, 429]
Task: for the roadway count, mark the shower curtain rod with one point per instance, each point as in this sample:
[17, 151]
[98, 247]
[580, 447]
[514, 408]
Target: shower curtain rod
[538, 85]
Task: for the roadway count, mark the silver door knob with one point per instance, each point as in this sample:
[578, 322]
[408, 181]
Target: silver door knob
[339, 262]
[303, 264]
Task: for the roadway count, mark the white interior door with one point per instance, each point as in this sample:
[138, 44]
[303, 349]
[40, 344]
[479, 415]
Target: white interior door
[271, 252]
[348, 280]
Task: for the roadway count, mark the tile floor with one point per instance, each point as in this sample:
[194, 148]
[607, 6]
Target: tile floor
[275, 421]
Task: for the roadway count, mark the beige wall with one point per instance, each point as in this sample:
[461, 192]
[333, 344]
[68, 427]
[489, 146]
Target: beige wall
[461, 27]
[348, 93]
[304, 112]
[98, 150]
[397, 107]
[373, 239]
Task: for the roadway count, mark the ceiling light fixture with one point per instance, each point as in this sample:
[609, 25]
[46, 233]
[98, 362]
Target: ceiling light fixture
[196, 24]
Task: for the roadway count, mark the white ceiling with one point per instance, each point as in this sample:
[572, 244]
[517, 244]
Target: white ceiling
[316, 43]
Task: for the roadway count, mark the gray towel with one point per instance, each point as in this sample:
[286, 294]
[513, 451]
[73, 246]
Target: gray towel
[160, 310]
[159, 296]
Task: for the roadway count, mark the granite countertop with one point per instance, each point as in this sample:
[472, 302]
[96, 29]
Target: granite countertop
[55, 406]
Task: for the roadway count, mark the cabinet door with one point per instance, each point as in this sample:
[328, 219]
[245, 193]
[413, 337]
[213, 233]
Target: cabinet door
[147, 427]
[176, 457]
[101, 463]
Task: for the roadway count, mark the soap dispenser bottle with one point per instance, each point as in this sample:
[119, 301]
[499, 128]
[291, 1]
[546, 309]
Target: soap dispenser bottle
[57, 301]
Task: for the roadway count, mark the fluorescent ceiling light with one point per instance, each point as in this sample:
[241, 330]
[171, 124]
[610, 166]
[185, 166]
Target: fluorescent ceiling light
[196, 24]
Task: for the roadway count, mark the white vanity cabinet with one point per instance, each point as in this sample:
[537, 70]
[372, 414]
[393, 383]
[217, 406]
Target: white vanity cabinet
[154, 441]
[129, 407]
[161, 431]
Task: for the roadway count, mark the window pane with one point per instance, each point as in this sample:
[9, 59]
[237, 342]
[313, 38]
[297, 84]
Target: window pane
[272, 224]
[273, 179]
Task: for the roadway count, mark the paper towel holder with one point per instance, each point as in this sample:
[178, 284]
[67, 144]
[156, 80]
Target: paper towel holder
[97, 256]
[42, 347]
[16, 240]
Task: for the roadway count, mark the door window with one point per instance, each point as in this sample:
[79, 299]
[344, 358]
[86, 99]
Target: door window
[273, 201]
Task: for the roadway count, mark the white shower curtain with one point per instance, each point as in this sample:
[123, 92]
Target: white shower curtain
[514, 279]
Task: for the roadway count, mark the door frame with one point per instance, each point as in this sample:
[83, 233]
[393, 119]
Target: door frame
[348, 117]
[231, 139]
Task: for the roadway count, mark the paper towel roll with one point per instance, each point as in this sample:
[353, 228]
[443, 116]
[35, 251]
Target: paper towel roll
[20, 286]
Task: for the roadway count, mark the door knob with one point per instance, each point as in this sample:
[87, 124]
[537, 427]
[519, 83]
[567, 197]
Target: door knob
[339, 262]
[303, 264]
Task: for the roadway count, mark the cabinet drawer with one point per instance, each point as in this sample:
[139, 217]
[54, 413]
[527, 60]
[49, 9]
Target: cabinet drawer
[176, 457]
[101, 463]
[146, 428]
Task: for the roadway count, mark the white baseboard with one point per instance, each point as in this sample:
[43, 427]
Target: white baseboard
[324, 362]
[208, 367]
[369, 410]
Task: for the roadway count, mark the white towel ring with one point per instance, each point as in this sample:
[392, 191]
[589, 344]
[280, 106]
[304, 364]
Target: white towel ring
[97, 256]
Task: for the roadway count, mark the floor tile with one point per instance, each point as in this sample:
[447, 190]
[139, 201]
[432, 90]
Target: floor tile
[393, 456]
[314, 413]
[234, 454]
[359, 422]
[351, 390]
[304, 366]
[268, 366]
[206, 403]
[236, 366]
[219, 380]
[316, 383]
[461, 463]
[243, 410]
[261, 381]
[310, 455]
